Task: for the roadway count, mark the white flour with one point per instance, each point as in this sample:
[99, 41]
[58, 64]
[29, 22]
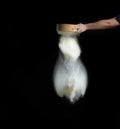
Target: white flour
[70, 75]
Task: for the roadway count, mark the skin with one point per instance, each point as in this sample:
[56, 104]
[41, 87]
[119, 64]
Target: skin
[98, 25]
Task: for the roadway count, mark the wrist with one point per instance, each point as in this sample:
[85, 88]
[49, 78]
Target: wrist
[86, 26]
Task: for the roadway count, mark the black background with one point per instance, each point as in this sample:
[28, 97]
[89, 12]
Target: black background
[32, 53]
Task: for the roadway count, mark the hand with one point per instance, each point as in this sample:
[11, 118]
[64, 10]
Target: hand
[80, 28]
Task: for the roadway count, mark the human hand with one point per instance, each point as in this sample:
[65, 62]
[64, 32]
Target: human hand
[79, 28]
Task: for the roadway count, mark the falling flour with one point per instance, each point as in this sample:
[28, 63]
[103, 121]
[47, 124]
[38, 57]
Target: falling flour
[70, 75]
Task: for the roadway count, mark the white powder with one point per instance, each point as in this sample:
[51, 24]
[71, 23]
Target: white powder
[70, 75]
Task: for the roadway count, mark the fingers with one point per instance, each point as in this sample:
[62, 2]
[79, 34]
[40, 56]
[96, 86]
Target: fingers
[79, 28]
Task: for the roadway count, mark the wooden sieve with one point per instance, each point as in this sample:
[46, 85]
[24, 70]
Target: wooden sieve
[65, 27]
